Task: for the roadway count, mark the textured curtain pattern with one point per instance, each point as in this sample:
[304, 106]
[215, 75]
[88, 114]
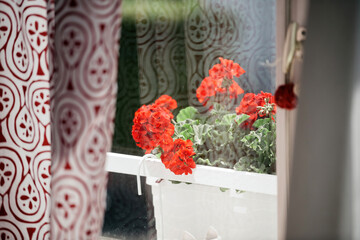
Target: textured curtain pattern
[243, 31]
[83, 107]
[78, 58]
[24, 121]
[128, 100]
[127, 213]
[180, 40]
[161, 50]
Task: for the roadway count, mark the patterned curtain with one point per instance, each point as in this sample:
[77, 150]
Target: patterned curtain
[25, 121]
[161, 48]
[62, 54]
[179, 41]
[128, 99]
[240, 30]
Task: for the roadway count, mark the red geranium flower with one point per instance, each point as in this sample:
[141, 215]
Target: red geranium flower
[235, 90]
[152, 127]
[217, 71]
[260, 100]
[248, 106]
[285, 96]
[207, 88]
[179, 157]
[226, 68]
[166, 102]
[167, 142]
[214, 84]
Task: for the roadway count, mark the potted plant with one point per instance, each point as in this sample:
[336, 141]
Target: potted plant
[238, 137]
[224, 134]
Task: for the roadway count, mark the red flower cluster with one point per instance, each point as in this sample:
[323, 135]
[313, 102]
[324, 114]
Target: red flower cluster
[152, 125]
[224, 71]
[226, 68]
[207, 88]
[166, 102]
[153, 128]
[179, 157]
[260, 100]
[285, 96]
[249, 105]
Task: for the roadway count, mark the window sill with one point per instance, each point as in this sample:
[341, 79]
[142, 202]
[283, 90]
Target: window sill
[204, 175]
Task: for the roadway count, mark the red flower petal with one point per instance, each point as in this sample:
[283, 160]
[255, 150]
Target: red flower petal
[178, 158]
[166, 102]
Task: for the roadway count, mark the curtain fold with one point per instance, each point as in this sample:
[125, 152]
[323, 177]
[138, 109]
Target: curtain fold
[24, 120]
[84, 91]
[62, 54]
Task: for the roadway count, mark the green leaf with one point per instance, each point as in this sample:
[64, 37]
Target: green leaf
[217, 107]
[241, 118]
[221, 137]
[228, 119]
[239, 191]
[202, 161]
[221, 163]
[224, 189]
[184, 131]
[186, 113]
[201, 132]
[261, 122]
[175, 182]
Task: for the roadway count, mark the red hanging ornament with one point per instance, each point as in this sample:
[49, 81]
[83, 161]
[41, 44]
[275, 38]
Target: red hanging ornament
[285, 96]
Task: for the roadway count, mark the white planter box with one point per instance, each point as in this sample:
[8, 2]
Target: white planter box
[195, 207]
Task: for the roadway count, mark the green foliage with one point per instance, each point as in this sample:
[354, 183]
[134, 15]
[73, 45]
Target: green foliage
[241, 118]
[224, 189]
[201, 132]
[228, 119]
[261, 144]
[219, 140]
[185, 129]
[187, 113]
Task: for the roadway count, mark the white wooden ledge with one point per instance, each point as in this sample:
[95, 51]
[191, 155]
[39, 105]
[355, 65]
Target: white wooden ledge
[205, 175]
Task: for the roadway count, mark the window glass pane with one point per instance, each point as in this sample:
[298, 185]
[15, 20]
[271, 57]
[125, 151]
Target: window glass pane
[167, 47]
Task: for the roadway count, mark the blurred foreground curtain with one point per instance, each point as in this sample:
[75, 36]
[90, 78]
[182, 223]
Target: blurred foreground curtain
[324, 187]
[62, 54]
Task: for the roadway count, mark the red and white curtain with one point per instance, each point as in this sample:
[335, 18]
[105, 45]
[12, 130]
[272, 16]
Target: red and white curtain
[61, 54]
